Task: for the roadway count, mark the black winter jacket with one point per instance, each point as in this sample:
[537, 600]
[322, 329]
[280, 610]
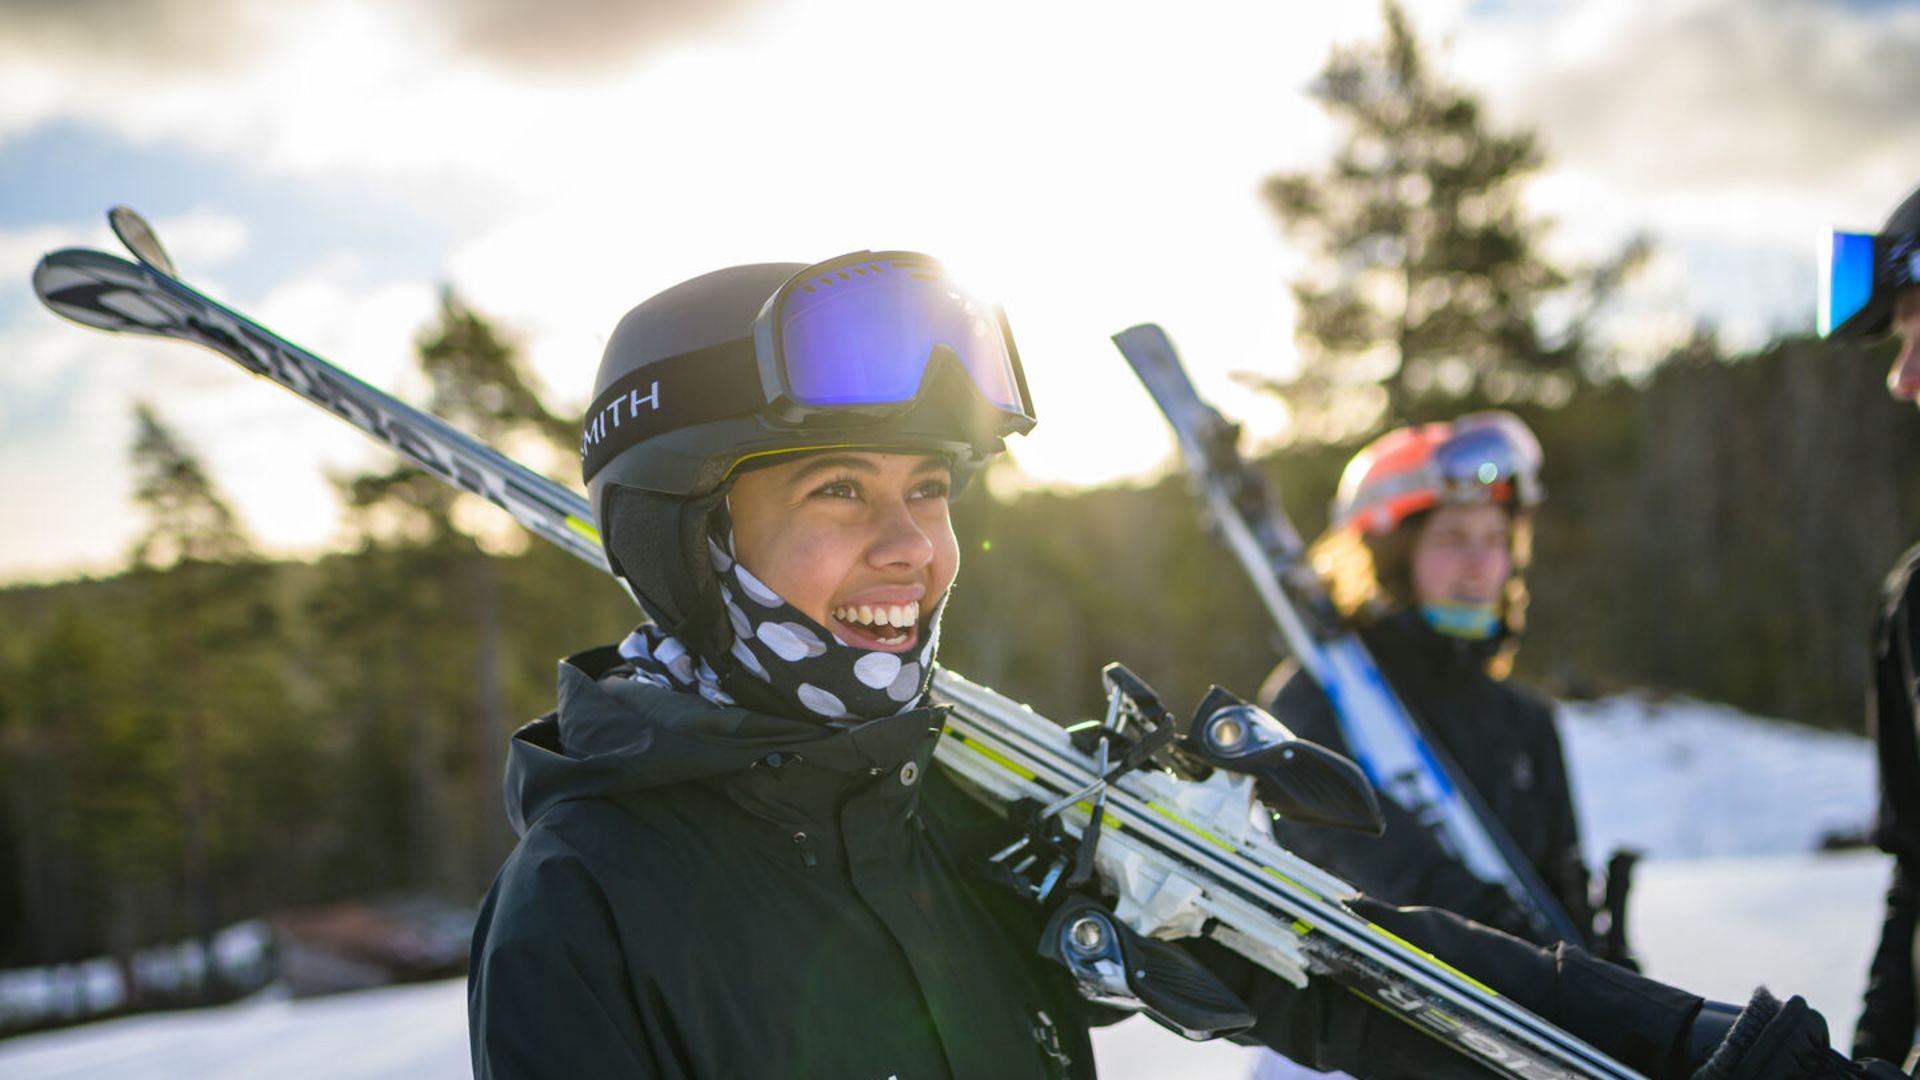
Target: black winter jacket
[707, 892]
[1501, 736]
[1887, 1023]
[712, 892]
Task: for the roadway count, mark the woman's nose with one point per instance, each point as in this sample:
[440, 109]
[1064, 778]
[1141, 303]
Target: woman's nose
[900, 540]
[1486, 558]
[1903, 379]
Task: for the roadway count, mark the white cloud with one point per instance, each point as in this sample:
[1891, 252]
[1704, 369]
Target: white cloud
[1731, 131]
[1715, 95]
[1089, 192]
[63, 445]
[556, 38]
[204, 237]
[563, 37]
[150, 36]
[64, 434]
[21, 249]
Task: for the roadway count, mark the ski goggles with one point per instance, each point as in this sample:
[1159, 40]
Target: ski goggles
[1860, 274]
[1484, 457]
[843, 347]
[1491, 456]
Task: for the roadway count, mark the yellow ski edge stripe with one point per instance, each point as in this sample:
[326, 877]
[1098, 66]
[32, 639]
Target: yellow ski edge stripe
[990, 754]
[583, 528]
[1190, 826]
[1107, 821]
[1302, 927]
[1432, 959]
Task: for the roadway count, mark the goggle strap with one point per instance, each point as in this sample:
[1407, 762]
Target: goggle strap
[690, 388]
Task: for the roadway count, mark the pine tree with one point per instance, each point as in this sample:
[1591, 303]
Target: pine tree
[1428, 282]
[187, 520]
[437, 542]
[191, 532]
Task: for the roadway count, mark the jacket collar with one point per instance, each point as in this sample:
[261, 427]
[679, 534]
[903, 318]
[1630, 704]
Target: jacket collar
[611, 735]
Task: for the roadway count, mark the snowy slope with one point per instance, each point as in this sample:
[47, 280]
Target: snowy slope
[398, 1033]
[1728, 808]
[1682, 779]
[1803, 924]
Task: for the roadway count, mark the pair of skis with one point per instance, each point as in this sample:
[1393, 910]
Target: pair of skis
[1178, 853]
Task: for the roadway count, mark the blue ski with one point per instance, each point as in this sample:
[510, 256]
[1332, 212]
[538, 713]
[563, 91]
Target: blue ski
[1385, 737]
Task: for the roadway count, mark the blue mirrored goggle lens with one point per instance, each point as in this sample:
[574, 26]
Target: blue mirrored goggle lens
[863, 334]
[1478, 458]
[1847, 284]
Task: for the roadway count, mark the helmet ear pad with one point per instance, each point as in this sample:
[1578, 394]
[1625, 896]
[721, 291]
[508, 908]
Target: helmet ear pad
[658, 543]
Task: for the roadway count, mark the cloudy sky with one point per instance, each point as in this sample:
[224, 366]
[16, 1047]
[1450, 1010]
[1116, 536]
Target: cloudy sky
[326, 165]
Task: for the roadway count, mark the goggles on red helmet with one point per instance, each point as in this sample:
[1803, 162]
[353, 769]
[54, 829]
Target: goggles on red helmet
[1860, 274]
[840, 349]
[1484, 457]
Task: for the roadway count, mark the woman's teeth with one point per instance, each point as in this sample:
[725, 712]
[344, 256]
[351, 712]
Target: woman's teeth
[901, 616]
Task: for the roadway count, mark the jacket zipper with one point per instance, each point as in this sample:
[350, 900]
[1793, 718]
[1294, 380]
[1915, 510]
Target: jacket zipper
[807, 857]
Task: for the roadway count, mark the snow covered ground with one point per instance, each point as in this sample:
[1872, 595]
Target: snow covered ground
[1727, 808]
[1681, 779]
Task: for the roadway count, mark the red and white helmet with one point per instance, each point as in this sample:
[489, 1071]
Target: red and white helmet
[1483, 457]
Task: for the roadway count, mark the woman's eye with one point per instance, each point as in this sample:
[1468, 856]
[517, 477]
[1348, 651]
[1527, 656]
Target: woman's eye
[934, 489]
[838, 489]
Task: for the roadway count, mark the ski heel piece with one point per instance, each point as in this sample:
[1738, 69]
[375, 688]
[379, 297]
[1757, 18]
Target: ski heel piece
[1116, 966]
[1299, 780]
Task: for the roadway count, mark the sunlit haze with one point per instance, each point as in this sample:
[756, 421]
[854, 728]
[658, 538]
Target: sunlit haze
[327, 165]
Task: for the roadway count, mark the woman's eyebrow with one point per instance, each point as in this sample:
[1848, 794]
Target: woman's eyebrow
[856, 463]
[832, 462]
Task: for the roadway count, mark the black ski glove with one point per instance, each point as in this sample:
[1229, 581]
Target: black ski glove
[1774, 1041]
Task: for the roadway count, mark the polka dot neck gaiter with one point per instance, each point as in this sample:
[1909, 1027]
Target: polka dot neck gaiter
[823, 676]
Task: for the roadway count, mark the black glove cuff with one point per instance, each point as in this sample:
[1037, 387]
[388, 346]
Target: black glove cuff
[1753, 1019]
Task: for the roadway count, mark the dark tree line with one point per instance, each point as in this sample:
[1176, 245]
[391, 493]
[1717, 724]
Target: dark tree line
[189, 745]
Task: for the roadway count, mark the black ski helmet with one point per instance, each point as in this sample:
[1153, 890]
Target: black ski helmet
[1905, 219]
[654, 499]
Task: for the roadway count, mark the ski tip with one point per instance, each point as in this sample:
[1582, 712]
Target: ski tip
[1145, 329]
[71, 282]
[133, 231]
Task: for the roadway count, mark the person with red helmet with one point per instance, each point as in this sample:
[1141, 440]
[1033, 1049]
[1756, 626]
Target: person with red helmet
[1869, 290]
[1430, 537]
